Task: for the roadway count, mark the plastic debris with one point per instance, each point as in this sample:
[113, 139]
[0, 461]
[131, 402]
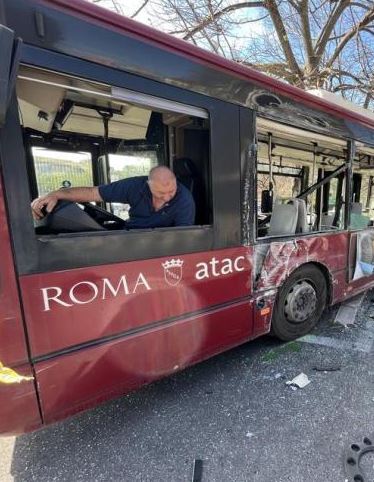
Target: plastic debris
[249, 434]
[300, 381]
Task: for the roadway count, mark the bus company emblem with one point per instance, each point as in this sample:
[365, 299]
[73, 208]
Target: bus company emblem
[173, 271]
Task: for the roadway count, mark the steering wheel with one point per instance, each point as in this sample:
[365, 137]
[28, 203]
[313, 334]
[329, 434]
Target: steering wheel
[68, 217]
[101, 215]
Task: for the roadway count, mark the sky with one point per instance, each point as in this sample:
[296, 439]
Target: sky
[147, 17]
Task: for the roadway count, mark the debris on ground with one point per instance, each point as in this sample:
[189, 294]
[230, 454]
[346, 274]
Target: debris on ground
[328, 367]
[197, 475]
[347, 311]
[300, 381]
[352, 460]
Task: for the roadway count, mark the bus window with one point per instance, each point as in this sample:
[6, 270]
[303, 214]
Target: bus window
[82, 133]
[362, 206]
[300, 181]
[56, 169]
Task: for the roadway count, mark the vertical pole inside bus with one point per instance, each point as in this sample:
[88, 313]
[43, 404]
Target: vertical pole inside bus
[351, 149]
[106, 115]
[271, 185]
[313, 197]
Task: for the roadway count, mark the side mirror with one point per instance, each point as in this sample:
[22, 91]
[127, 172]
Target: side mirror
[266, 201]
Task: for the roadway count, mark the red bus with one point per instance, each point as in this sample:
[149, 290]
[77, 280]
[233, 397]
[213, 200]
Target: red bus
[282, 181]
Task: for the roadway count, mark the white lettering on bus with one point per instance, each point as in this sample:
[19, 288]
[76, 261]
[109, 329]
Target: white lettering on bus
[236, 263]
[122, 281]
[216, 268]
[75, 300]
[55, 294]
[141, 281]
[47, 298]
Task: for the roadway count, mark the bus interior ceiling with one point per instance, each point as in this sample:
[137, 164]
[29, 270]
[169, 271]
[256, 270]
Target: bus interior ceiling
[77, 133]
[291, 160]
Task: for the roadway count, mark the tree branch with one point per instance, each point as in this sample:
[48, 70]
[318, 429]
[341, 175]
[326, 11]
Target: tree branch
[369, 97]
[213, 17]
[283, 38]
[307, 37]
[329, 26]
[349, 35]
[140, 8]
[279, 70]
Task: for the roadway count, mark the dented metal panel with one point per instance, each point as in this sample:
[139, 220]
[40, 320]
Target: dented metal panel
[274, 262]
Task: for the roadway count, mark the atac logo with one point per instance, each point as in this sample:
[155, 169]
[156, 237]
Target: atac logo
[173, 271]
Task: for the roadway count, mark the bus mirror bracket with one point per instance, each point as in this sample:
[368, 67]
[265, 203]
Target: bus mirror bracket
[10, 53]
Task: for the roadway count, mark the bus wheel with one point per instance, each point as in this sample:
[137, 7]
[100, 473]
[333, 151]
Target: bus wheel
[300, 303]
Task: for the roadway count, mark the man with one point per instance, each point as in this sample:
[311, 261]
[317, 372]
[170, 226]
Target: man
[157, 201]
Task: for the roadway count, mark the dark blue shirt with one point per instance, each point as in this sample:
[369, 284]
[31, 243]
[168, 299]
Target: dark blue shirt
[179, 211]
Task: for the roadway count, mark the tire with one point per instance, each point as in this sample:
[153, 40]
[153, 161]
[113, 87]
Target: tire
[299, 303]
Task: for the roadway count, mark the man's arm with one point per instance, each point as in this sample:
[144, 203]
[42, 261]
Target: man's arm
[74, 194]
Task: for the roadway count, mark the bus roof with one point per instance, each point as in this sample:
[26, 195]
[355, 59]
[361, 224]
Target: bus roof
[112, 20]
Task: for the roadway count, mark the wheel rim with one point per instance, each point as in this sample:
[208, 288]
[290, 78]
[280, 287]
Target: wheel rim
[301, 302]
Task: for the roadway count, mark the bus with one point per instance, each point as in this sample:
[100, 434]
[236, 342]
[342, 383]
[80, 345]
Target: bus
[282, 181]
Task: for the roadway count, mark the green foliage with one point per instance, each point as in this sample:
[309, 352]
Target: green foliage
[290, 347]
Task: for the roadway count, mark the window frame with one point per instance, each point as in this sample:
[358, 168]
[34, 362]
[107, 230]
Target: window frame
[36, 254]
[347, 181]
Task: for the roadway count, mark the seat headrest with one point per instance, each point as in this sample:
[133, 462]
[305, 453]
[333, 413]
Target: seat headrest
[184, 166]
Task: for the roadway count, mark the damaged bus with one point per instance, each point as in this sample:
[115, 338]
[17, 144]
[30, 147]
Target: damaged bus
[282, 181]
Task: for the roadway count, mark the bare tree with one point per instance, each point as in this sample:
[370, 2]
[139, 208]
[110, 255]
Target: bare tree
[309, 43]
[120, 7]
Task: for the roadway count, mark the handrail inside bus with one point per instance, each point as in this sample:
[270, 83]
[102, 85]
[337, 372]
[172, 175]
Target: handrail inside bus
[323, 181]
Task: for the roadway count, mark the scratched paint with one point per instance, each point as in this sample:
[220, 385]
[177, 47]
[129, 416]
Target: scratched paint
[9, 376]
[276, 261]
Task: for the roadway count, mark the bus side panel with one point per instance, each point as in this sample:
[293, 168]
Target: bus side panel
[69, 308]
[79, 380]
[19, 410]
[280, 259]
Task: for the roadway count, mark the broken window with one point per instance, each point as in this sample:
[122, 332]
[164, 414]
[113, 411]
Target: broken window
[300, 181]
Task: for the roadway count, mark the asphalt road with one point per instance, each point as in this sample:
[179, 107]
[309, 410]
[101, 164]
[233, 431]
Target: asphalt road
[234, 412]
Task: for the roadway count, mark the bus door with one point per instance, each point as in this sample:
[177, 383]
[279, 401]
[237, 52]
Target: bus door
[19, 409]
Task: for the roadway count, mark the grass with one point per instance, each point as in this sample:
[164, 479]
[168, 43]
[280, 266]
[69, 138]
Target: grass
[291, 347]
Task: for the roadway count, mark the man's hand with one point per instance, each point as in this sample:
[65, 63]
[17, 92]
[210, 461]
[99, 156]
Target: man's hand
[49, 202]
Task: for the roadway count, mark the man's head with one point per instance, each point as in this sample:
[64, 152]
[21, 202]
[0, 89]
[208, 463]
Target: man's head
[162, 183]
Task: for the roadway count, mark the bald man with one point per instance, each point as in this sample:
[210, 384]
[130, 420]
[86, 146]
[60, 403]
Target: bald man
[156, 201]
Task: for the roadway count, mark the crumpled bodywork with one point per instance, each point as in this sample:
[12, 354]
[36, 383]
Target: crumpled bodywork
[274, 262]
